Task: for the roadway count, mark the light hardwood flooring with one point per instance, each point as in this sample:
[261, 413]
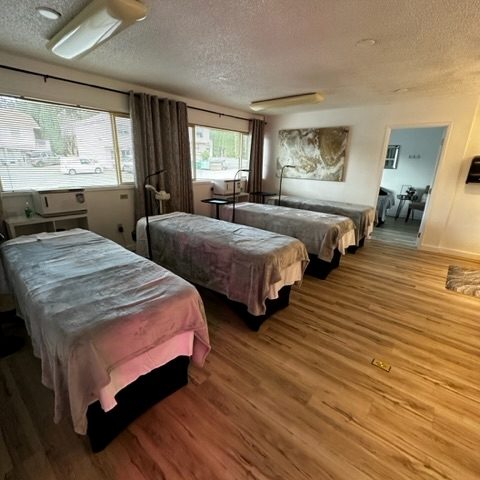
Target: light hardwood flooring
[398, 232]
[299, 399]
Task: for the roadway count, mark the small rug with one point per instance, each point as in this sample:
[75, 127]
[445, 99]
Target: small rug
[463, 280]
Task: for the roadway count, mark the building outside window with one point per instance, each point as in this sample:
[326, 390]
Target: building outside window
[45, 146]
[216, 153]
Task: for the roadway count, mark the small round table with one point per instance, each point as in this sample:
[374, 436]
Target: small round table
[402, 197]
[217, 202]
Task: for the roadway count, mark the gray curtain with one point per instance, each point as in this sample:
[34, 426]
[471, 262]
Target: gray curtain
[256, 159]
[160, 140]
[3, 230]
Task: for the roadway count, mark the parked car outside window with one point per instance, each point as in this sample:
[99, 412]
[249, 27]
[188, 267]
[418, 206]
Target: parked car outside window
[41, 159]
[74, 165]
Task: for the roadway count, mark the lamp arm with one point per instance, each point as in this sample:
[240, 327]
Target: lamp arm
[147, 225]
[234, 197]
[147, 187]
[281, 178]
[151, 188]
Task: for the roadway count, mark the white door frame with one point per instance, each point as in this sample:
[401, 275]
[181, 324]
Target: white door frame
[440, 159]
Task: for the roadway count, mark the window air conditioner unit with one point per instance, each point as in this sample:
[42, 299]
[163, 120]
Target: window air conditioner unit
[48, 203]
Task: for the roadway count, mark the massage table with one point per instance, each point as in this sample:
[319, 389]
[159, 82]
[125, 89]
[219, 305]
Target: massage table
[251, 267]
[363, 216]
[114, 331]
[325, 236]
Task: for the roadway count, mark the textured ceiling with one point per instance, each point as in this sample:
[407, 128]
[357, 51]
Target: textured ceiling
[232, 52]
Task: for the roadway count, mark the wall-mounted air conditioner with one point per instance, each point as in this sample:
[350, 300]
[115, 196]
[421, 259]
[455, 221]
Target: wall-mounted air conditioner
[48, 203]
[225, 187]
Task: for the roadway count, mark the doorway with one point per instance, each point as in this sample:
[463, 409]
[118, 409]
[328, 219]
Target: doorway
[409, 171]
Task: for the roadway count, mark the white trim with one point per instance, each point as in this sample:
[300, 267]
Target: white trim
[22, 193]
[447, 125]
[124, 186]
[450, 251]
[203, 182]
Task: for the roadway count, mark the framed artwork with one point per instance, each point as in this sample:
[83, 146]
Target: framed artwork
[314, 153]
[391, 160]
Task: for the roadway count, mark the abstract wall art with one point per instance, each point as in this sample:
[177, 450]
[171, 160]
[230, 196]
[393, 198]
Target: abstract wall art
[316, 153]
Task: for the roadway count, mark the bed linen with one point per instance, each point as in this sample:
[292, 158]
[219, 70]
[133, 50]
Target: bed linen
[91, 307]
[240, 262]
[386, 200]
[363, 216]
[321, 233]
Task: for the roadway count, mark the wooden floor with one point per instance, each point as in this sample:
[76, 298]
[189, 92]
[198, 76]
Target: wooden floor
[398, 232]
[298, 400]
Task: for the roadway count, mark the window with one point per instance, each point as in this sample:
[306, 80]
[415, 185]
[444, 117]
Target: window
[216, 153]
[391, 161]
[44, 146]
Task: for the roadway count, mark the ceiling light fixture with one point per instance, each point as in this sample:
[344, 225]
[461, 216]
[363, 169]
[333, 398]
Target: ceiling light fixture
[401, 90]
[366, 42]
[290, 101]
[99, 21]
[48, 12]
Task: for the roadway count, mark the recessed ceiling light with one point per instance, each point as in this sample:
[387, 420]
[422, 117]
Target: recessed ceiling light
[49, 13]
[401, 90]
[366, 42]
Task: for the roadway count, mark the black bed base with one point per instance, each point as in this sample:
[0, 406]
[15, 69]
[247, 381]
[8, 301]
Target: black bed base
[320, 268]
[354, 248]
[255, 321]
[133, 400]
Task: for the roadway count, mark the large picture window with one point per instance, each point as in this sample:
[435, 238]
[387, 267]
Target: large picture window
[45, 146]
[216, 153]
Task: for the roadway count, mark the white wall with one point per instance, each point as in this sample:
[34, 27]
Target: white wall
[202, 190]
[447, 227]
[106, 208]
[364, 150]
[462, 214]
[419, 148]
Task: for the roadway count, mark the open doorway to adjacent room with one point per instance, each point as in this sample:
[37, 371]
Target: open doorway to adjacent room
[408, 176]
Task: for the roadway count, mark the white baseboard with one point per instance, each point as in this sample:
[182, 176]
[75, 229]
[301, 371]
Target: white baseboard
[451, 252]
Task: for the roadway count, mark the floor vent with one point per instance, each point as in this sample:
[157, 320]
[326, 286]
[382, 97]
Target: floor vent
[382, 365]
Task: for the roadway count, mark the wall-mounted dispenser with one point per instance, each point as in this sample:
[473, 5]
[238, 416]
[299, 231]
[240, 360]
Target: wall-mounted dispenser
[474, 172]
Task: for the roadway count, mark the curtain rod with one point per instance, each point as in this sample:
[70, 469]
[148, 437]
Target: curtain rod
[108, 89]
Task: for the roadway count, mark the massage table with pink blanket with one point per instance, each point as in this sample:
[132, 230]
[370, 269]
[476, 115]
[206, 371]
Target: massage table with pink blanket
[103, 319]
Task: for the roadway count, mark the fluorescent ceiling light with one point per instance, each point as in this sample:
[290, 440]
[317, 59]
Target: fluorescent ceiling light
[303, 99]
[100, 20]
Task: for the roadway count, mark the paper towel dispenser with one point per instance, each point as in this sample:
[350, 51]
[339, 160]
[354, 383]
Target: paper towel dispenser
[474, 172]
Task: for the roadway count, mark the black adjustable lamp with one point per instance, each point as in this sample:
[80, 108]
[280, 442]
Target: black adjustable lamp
[147, 226]
[281, 178]
[234, 198]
